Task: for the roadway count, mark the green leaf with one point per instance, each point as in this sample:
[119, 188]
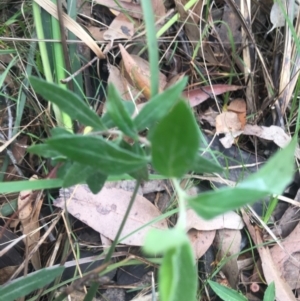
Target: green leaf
[107, 120]
[168, 239]
[159, 106]
[58, 131]
[270, 292]
[77, 173]
[270, 179]
[119, 114]
[178, 275]
[96, 181]
[43, 150]
[68, 102]
[226, 293]
[175, 142]
[23, 286]
[203, 165]
[98, 153]
[141, 173]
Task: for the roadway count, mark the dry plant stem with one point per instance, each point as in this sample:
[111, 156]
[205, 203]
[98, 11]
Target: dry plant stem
[8, 247]
[8, 142]
[90, 63]
[51, 260]
[71, 244]
[285, 75]
[12, 158]
[245, 26]
[54, 222]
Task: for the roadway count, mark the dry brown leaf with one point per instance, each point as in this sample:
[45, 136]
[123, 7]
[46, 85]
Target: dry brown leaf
[228, 243]
[125, 89]
[104, 211]
[132, 9]
[228, 122]
[282, 290]
[201, 241]
[120, 28]
[210, 116]
[271, 273]
[106, 242]
[174, 79]
[230, 28]
[137, 72]
[96, 33]
[147, 187]
[287, 260]
[199, 95]
[229, 138]
[29, 218]
[273, 133]
[229, 220]
[159, 9]
[238, 106]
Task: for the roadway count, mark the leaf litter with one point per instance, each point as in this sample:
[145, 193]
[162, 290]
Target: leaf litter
[104, 212]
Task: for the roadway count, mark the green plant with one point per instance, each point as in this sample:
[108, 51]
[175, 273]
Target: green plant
[171, 146]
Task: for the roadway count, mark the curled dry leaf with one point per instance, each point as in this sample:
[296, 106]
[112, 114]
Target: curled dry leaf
[201, 241]
[238, 106]
[29, 218]
[228, 243]
[120, 28]
[199, 95]
[104, 212]
[228, 122]
[137, 72]
[126, 90]
[273, 133]
[229, 220]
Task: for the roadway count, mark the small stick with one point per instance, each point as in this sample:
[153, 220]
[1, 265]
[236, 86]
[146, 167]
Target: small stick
[66, 80]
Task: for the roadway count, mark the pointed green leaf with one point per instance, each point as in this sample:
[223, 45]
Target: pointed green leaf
[43, 150]
[168, 239]
[77, 173]
[175, 142]
[270, 179]
[96, 181]
[98, 153]
[159, 106]
[141, 173]
[178, 275]
[68, 102]
[203, 165]
[22, 286]
[226, 293]
[270, 292]
[118, 113]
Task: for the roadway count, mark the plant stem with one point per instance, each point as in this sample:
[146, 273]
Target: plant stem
[181, 195]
